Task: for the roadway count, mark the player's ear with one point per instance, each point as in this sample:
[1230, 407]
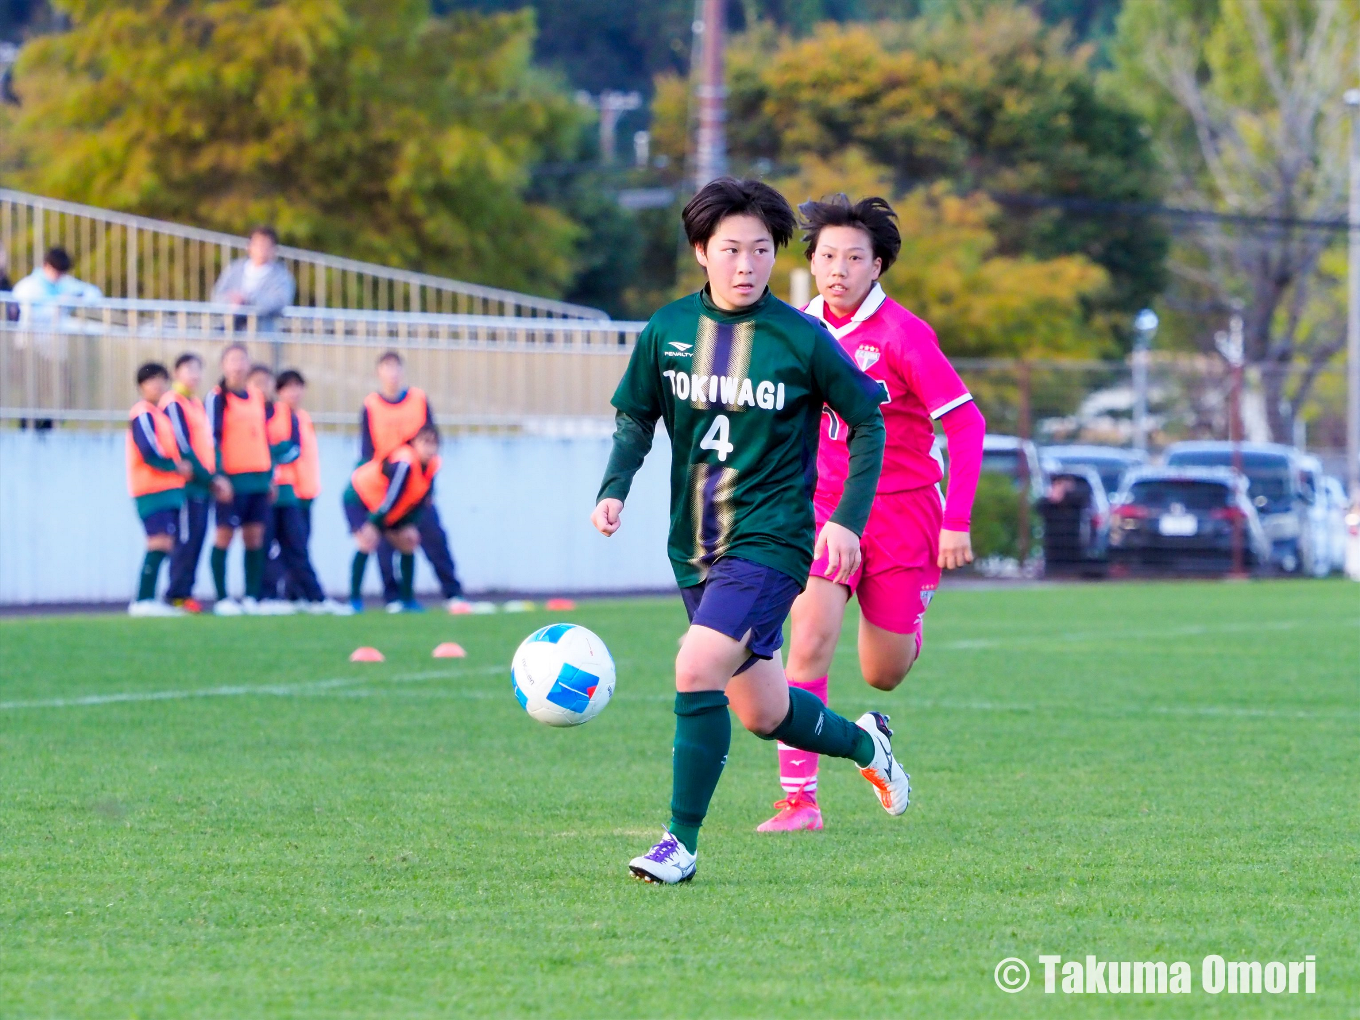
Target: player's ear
[878, 268]
[701, 254]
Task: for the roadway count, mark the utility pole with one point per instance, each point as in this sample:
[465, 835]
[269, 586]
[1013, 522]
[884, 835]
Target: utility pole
[1352, 98]
[710, 90]
[1144, 328]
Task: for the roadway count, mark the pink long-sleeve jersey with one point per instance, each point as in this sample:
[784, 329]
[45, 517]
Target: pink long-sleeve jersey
[900, 350]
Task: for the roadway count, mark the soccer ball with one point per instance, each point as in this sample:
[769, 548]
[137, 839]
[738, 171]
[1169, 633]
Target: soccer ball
[563, 675]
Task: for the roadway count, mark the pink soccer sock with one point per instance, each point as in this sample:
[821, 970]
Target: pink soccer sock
[798, 769]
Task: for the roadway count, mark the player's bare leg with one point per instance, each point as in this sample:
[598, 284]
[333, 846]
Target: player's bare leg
[885, 658]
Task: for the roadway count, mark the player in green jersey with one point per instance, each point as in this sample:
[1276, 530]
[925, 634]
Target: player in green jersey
[740, 380]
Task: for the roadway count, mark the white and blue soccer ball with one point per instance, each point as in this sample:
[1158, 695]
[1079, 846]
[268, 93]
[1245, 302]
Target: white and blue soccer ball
[563, 675]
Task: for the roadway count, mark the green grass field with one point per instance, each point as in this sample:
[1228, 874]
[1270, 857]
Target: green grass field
[1140, 772]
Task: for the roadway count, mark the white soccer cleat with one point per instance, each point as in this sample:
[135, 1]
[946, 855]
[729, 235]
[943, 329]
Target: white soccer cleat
[332, 608]
[667, 863]
[885, 773]
[250, 607]
[152, 607]
[228, 607]
[394, 607]
[276, 607]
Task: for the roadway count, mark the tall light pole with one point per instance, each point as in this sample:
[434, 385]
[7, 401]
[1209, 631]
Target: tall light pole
[1352, 98]
[1233, 348]
[710, 148]
[1144, 328]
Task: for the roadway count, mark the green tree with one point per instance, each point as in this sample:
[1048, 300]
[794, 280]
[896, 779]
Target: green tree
[986, 98]
[365, 128]
[1244, 101]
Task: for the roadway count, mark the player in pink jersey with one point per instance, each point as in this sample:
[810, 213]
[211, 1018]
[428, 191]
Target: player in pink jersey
[913, 533]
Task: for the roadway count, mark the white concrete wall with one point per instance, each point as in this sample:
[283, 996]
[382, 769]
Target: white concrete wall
[516, 509]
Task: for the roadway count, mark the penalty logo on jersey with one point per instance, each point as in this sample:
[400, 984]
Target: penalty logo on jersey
[866, 356]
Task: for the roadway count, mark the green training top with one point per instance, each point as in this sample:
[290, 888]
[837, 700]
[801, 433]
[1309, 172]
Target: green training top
[741, 394]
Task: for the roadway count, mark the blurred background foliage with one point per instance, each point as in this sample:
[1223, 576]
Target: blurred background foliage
[449, 136]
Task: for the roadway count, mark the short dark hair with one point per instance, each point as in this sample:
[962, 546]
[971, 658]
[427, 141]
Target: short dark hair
[257, 368]
[872, 215]
[186, 358]
[266, 230]
[387, 356]
[289, 377]
[728, 196]
[151, 370]
[428, 430]
[58, 259]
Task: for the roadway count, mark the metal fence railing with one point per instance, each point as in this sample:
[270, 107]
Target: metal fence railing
[478, 370]
[136, 257]
[78, 364]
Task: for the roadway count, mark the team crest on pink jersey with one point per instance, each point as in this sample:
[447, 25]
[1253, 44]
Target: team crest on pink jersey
[866, 356]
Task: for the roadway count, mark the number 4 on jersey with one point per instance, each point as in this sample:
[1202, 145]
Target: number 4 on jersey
[716, 438]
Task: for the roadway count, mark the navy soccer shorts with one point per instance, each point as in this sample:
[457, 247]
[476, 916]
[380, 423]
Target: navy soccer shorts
[161, 522]
[738, 597]
[244, 508]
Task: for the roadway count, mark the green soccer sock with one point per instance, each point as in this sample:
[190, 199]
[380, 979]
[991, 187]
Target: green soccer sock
[151, 569]
[254, 572]
[811, 726]
[703, 733]
[407, 581]
[219, 572]
[356, 575]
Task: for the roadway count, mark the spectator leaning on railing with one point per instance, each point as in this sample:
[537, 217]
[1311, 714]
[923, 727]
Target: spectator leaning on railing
[259, 281]
[41, 293]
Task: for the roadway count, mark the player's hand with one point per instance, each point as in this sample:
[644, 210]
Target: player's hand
[606, 516]
[841, 546]
[956, 549]
[366, 538]
[221, 487]
[184, 469]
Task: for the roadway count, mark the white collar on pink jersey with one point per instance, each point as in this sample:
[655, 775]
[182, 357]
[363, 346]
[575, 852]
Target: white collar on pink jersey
[871, 303]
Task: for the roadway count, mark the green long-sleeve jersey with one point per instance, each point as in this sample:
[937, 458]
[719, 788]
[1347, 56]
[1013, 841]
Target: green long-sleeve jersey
[741, 395]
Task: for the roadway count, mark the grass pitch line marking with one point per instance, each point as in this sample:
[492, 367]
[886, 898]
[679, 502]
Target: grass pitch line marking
[237, 690]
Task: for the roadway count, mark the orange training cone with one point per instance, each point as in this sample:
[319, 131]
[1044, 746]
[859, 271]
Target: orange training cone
[366, 654]
[559, 605]
[449, 650]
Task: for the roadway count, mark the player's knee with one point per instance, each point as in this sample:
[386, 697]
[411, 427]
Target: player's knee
[407, 540]
[884, 679]
[811, 653]
[762, 720]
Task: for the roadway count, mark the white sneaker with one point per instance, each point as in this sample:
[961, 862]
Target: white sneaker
[884, 773]
[249, 607]
[303, 606]
[395, 607]
[332, 608]
[228, 607]
[276, 607]
[667, 863]
[153, 607]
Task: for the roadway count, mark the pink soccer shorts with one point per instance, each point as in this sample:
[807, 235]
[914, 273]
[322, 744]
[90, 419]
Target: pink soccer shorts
[900, 550]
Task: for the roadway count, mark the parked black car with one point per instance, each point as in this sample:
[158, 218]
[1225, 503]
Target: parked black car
[1182, 518]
